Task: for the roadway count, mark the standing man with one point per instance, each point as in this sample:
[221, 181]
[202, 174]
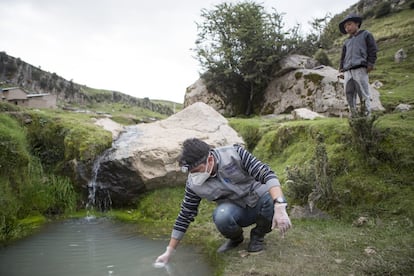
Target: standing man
[246, 191]
[358, 57]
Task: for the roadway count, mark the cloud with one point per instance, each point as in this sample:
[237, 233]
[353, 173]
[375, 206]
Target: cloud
[142, 48]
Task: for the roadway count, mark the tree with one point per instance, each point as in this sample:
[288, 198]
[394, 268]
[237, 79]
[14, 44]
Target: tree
[238, 46]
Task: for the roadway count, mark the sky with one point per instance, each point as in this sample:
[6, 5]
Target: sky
[140, 48]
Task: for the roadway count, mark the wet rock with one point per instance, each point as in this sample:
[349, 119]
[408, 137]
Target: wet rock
[144, 157]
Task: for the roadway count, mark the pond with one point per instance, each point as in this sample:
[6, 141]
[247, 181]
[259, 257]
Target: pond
[95, 247]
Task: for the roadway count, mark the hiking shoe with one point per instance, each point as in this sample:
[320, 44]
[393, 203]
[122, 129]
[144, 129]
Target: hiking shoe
[230, 244]
[256, 244]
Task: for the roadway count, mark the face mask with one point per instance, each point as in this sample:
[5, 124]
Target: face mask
[199, 178]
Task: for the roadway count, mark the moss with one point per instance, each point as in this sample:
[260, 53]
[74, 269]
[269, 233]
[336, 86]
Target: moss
[60, 137]
[356, 180]
[14, 148]
[315, 78]
[298, 75]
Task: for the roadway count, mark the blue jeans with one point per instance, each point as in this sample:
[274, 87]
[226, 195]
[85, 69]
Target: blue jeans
[230, 218]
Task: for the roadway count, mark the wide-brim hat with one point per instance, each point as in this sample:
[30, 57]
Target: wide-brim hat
[351, 17]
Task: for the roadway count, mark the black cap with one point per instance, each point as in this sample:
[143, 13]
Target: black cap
[350, 17]
[194, 153]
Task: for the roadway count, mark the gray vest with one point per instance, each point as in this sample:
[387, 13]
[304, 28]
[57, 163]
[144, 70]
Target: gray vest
[232, 182]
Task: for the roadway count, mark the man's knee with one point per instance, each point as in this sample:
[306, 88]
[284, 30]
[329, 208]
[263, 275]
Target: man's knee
[225, 220]
[223, 214]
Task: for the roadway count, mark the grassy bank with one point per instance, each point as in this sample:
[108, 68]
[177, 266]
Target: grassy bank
[368, 165]
[370, 209]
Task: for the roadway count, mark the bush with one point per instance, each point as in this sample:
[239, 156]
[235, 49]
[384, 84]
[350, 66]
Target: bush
[383, 9]
[46, 194]
[14, 154]
[322, 58]
[312, 183]
[8, 211]
[367, 138]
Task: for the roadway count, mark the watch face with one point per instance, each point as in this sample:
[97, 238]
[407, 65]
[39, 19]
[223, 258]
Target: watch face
[280, 199]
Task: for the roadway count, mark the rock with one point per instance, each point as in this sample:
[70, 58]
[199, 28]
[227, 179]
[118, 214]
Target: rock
[294, 62]
[318, 89]
[361, 221]
[400, 56]
[299, 212]
[370, 250]
[299, 83]
[111, 126]
[144, 157]
[377, 84]
[305, 114]
[402, 108]
[198, 92]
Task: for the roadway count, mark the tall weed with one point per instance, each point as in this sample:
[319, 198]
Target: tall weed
[312, 183]
[8, 211]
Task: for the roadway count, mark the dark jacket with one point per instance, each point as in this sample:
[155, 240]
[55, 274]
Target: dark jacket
[359, 50]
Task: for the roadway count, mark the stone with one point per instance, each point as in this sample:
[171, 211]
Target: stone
[305, 114]
[402, 108]
[111, 126]
[144, 157]
[300, 212]
[400, 56]
[318, 89]
[377, 84]
[198, 92]
[300, 82]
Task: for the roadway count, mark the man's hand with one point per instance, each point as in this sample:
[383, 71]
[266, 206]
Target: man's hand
[165, 257]
[281, 219]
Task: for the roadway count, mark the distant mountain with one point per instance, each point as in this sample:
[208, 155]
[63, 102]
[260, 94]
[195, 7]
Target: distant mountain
[15, 72]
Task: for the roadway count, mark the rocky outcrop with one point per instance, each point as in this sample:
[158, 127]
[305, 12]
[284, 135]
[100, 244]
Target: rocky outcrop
[144, 157]
[318, 89]
[300, 83]
[198, 92]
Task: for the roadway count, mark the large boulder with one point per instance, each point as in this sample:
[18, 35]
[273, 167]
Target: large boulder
[300, 82]
[144, 157]
[319, 89]
[198, 92]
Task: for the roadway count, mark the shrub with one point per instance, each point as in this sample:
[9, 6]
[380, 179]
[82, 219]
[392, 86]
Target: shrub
[8, 210]
[312, 183]
[383, 9]
[46, 194]
[367, 137]
[322, 58]
[13, 148]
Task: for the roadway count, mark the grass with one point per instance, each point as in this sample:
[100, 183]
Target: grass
[382, 244]
[311, 247]
[330, 247]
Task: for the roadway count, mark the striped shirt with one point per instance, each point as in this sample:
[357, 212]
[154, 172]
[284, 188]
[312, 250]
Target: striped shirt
[189, 206]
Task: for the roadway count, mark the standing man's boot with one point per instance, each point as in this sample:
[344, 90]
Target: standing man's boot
[232, 242]
[263, 226]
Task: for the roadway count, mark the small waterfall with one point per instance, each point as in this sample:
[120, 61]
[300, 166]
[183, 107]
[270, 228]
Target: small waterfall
[98, 197]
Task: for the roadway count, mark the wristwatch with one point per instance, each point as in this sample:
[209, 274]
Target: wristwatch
[279, 199]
